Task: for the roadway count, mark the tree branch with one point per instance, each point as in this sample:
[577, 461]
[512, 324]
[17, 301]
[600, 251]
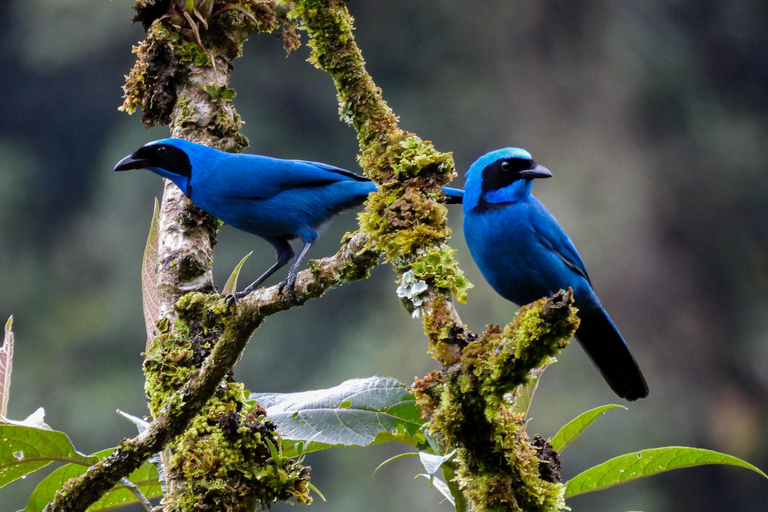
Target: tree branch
[472, 408]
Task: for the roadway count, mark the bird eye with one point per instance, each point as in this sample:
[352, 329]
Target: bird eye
[161, 150]
[505, 166]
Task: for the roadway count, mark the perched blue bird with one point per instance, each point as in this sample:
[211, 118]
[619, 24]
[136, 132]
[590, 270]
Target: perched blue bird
[278, 200]
[525, 255]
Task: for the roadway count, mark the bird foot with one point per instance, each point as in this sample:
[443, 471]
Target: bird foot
[289, 286]
[232, 298]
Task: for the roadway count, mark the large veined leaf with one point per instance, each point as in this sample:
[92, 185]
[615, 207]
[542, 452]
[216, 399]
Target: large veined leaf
[145, 479]
[27, 449]
[357, 412]
[149, 278]
[632, 466]
[573, 429]
[6, 365]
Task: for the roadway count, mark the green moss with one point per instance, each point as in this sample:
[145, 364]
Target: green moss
[333, 50]
[405, 155]
[174, 40]
[187, 109]
[472, 408]
[365, 258]
[226, 125]
[167, 366]
[152, 82]
[225, 459]
[220, 92]
[418, 155]
[438, 265]
[403, 223]
[207, 311]
[502, 361]
[178, 352]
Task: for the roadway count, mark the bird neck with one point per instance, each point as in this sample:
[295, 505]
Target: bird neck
[515, 192]
[178, 180]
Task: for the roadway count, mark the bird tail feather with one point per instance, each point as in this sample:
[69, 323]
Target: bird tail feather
[607, 349]
[453, 195]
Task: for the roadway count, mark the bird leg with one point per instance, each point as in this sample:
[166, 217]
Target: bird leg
[284, 255]
[291, 279]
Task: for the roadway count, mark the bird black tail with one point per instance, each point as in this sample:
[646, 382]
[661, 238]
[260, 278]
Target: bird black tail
[607, 349]
[453, 195]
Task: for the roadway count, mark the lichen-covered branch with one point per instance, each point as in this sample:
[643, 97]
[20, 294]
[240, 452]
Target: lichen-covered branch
[223, 456]
[472, 409]
[171, 419]
[470, 401]
[180, 78]
[405, 218]
[173, 415]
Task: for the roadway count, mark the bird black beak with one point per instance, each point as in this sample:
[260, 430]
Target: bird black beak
[131, 162]
[537, 172]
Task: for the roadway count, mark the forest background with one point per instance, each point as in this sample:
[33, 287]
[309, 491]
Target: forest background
[651, 115]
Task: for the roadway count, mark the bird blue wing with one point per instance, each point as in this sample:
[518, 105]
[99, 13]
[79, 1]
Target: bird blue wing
[328, 172]
[554, 238]
[260, 177]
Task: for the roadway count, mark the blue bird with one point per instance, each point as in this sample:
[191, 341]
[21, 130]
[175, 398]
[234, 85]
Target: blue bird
[277, 200]
[525, 255]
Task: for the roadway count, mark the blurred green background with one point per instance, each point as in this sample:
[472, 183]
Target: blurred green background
[651, 115]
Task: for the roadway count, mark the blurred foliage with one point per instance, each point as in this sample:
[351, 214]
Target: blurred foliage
[651, 115]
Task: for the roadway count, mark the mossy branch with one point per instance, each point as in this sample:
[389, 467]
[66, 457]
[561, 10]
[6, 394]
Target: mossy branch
[470, 401]
[405, 218]
[180, 78]
[176, 412]
[472, 409]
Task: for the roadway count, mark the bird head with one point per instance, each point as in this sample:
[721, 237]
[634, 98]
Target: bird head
[167, 157]
[501, 176]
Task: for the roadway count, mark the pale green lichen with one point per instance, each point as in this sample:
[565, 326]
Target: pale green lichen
[418, 155]
[411, 288]
[220, 92]
[187, 110]
[438, 265]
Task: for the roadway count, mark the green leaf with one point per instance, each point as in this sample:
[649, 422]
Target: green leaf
[432, 462]
[524, 395]
[140, 423]
[632, 466]
[358, 412]
[231, 285]
[6, 366]
[392, 459]
[573, 429]
[316, 491]
[459, 499]
[145, 478]
[440, 486]
[27, 449]
[149, 278]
